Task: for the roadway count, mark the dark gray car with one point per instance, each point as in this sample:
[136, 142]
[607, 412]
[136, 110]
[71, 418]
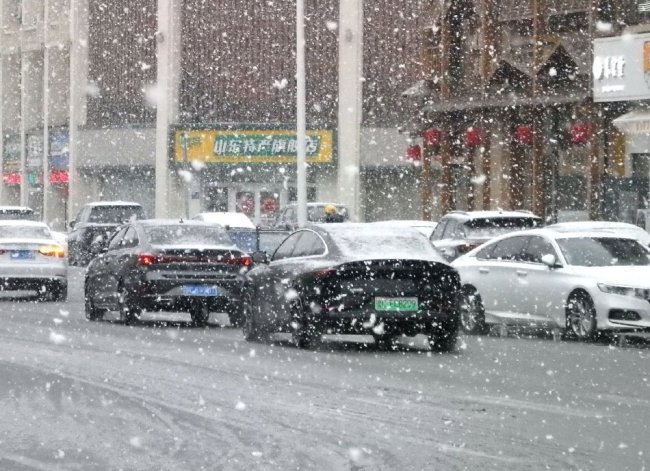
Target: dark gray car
[167, 265]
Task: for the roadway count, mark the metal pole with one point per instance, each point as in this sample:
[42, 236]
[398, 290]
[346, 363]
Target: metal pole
[24, 184]
[301, 161]
[46, 112]
[2, 131]
[74, 103]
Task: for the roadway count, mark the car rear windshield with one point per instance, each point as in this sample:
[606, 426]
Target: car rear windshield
[115, 214]
[244, 240]
[187, 234]
[488, 228]
[603, 251]
[24, 232]
[317, 213]
[407, 244]
[16, 214]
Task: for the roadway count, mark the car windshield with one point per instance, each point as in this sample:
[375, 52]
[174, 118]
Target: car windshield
[488, 228]
[603, 252]
[270, 240]
[244, 240]
[317, 213]
[114, 214]
[187, 234]
[16, 214]
[24, 232]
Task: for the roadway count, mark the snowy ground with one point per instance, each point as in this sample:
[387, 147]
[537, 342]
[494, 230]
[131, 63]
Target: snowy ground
[81, 395]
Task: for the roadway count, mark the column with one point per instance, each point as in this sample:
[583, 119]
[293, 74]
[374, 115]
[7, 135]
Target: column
[538, 187]
[2, 131]
[445, 92]
[168, 38]
[426, 180]
[24, 184]
[350, 102]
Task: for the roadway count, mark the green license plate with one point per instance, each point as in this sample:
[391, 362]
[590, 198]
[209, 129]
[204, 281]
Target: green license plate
[396, 304]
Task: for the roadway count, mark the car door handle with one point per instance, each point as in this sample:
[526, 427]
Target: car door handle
[484, 270]
[522, 273]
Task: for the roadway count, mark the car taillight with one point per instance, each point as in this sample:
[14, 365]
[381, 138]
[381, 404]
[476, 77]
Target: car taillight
[52, 251]
[146, 259]
[325, 273]
[243, 260]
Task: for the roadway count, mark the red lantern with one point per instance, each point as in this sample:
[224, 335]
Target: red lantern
[414, 153]
[524, 135]
[580, 133]
[432, 137]
[473, 137]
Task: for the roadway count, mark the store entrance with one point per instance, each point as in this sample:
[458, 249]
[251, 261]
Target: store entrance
[260, 202]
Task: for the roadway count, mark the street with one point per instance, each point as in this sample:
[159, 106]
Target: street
[102, 395]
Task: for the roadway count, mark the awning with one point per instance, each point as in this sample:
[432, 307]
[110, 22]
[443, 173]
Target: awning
[634, 123]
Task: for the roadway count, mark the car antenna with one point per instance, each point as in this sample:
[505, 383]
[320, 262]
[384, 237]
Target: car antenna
[181, 221]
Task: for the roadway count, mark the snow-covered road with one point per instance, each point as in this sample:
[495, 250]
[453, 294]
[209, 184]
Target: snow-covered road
[82, 395]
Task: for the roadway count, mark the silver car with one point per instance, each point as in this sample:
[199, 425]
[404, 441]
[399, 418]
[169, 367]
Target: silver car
[583, 282]
[32, 260]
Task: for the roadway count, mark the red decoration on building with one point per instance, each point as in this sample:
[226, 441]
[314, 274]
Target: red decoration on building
[59, 177]
[524, 135]
[11, 179]
[580, 133]
[432, 137]
[473, 137]
[414, 152]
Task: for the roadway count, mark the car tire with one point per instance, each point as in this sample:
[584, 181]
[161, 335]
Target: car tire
[129, 310]
[236, 315]
[305, 334]
[250, 328]
[385, 342]
[60, 292]
[443, 341]
[581, 316]
[92, 313]
[200, 313]
[472, 312]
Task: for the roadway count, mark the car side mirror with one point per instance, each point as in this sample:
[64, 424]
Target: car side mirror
[260, 257]
[550, 261]
[98, 247]
[72, 224]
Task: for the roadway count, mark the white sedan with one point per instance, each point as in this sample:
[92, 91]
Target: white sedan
[581, 282]
[32, 260]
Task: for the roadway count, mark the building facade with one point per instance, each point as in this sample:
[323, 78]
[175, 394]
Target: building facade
[229, 107]
[34, 88]
[507, 115]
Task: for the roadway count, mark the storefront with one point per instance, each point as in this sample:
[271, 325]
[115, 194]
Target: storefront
[621, 82]
[251, 169]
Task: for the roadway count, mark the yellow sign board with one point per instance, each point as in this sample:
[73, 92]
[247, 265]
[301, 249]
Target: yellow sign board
[277, 146]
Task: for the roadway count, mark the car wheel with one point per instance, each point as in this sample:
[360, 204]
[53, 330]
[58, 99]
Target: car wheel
[385, 342]
[60, 292]
[129, 311]
[305, 334]
[581, 316]
[472, 313]
[200, 313]
[251, 329]
[443, 341]
[92, 313]
[236, 315]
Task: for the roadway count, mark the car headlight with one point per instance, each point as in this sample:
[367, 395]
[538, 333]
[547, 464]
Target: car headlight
[625, 290]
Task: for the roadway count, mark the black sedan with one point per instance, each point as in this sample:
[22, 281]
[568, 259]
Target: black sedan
[167, 265]
[353, 279]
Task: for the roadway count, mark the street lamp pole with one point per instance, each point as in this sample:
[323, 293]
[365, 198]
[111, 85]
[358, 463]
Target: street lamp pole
[301, 138]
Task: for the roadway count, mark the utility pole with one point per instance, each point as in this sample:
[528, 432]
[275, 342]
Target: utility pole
[301, 126]
[350, 102]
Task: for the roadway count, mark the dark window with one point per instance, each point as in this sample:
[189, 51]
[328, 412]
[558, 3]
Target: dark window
[486, 253]
[130, 238]
[286, 248]
[309, 244]
[510, 249]
[439, 230]
[603, 252]
[450, 230]
[537, 248]
[115, 214]
[116, 241]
